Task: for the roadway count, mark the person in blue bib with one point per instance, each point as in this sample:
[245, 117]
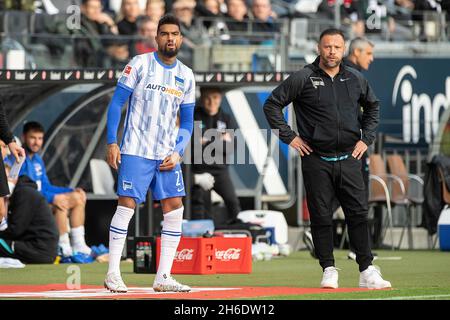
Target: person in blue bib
[68, 204]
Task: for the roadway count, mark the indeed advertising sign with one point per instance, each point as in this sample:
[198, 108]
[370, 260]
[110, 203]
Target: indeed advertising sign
[414, 94]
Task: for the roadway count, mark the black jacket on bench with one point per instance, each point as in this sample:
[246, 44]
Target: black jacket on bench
[31, 225]
[433, 201]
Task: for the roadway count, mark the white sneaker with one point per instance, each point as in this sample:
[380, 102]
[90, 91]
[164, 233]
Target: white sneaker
[330, 278]
[169, 284]
[114, 283]
[351, 255]
[81, 248]
[65, 250]
[371, 278]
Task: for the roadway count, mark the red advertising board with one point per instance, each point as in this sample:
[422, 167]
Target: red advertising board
[211, 255]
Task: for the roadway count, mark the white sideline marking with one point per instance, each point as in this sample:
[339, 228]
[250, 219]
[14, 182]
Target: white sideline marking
[100, 292]
[413, 297]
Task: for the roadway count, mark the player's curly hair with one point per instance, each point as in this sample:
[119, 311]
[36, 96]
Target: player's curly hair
[168, 19]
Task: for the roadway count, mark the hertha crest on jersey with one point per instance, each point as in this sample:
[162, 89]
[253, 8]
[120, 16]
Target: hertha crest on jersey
[179, 83]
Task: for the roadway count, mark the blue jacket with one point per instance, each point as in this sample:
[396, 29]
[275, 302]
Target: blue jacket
[34, 168]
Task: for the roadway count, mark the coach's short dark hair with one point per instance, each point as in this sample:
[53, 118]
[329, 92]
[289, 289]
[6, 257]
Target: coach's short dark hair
[85, 2]
[331, 32]
[168, 19]
[205, 90]
[33, 126]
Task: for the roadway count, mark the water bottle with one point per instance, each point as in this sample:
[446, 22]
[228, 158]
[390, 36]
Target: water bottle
[140, 255]
[147, 255]
[15, 169]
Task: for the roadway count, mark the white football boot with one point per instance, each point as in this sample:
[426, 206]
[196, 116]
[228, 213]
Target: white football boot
[114, 283]
[169, 284]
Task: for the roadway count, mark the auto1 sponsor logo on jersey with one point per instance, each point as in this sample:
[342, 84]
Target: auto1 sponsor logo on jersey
[164, 90]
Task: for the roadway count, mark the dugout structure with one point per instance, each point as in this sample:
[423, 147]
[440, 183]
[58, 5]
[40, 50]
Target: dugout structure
[72, 106]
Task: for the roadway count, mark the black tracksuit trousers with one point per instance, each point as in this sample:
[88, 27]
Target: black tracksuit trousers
[201, 199]
[324, 181]
[29, 252]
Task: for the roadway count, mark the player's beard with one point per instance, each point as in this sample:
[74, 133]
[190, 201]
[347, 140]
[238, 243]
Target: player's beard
[169, 53]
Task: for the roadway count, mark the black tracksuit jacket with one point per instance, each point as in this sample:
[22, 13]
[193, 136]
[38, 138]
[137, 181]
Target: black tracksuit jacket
[31, 224]
[219, 122]
[327, 110]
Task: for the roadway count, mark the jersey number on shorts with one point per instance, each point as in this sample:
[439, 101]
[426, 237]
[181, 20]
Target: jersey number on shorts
[178, 184]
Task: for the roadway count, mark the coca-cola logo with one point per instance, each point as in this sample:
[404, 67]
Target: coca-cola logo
[184, 255]
[229, 254]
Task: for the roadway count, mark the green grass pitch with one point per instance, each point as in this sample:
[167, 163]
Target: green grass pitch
[417, 275]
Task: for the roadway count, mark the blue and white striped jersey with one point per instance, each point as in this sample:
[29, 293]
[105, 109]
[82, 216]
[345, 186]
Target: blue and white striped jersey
[158, 91]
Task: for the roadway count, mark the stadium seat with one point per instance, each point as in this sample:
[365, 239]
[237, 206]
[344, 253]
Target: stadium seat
[445, 191]
[102, 178]
[378, 195]
[379, 191]
[408, 192]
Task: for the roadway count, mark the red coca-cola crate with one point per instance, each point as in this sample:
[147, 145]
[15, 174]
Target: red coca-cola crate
[233, 254]
[194, 256]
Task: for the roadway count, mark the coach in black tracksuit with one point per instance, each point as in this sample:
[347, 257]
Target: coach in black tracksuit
[32, 235]
[327, 96]
[213, 124]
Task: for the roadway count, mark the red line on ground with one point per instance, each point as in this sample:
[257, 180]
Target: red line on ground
[232, 293]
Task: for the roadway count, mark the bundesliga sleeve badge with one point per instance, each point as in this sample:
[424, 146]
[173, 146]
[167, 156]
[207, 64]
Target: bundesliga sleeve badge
[127, 70]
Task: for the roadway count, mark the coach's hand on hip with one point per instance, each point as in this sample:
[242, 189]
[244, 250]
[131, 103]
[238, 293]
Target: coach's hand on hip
[359, 150]
[301, 146]
[170, 162]
[113, 155]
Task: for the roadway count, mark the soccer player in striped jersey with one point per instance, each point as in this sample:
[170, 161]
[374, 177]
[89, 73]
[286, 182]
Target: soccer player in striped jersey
[157, 85]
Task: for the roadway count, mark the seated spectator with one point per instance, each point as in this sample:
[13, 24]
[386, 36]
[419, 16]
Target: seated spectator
[98, 31]
[213, 161]
[184, 11]
[193, 34]
[213, 6]
[237, 12]
[68, 204]
[213, 18]
[420, 7]
[237, 23]
[155, 9]
[208, 9]
[130, 12]
[116, 5]
[264, 20]
[147, 32]
[31, 234]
